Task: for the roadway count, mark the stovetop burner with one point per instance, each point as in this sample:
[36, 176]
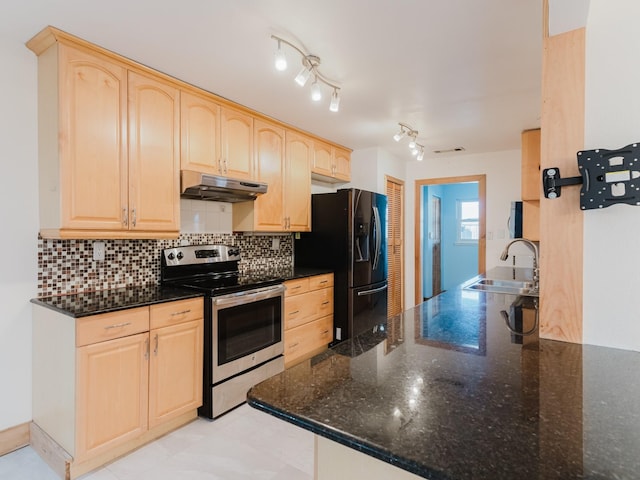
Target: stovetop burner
[212, 269]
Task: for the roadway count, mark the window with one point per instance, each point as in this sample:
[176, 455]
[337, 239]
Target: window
[468, 213]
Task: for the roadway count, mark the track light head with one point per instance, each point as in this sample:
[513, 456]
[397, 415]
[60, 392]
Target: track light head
[420, 155]
[303, 76]
[400, 135]
[280, 59]
[316, 93]
[335, 101]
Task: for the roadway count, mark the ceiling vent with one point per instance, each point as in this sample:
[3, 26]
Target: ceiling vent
[455, 149]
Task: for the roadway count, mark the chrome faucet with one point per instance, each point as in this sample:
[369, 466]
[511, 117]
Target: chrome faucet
[534, 247]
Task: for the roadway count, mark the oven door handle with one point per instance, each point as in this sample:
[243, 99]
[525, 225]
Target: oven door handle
[241, 298]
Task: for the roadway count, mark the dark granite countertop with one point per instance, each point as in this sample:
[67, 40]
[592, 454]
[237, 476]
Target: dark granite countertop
[103, 301]
[93, 303]
[447, 391]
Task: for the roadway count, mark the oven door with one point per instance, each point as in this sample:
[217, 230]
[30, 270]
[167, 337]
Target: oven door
[247, 330]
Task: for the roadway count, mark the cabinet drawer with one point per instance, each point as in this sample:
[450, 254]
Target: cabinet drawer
[298, 309]
[301, 309]
[296, 287]
[108, 326]
[304, 340]
[172, 313]
[321, 281]
[322, 301]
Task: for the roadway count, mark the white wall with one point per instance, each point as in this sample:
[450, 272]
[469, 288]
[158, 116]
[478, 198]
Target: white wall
[612, 235]
[503, 185]
[19, 220]
[566, 15]
[369, 167]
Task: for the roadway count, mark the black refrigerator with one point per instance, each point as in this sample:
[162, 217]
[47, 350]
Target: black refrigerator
[348, 235]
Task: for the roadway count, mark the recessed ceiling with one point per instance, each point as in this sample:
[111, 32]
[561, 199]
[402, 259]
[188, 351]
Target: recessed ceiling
[461, 72]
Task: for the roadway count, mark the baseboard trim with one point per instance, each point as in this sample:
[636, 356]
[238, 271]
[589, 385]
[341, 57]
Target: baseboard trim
[14, 438]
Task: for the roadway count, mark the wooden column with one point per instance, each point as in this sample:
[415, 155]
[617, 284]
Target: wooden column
[561, 221]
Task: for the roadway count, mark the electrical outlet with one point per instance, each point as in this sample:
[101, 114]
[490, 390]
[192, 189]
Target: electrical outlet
[98, 251]
[275, 243]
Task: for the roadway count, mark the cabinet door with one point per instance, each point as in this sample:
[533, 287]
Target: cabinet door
[342, 162]
[154, 154]
[112, 393]
[200, 134]
[92, 141]
[269, 207]
[322, 158]
[237, 143]
[299, 152]
[531, 179]
[175, 371]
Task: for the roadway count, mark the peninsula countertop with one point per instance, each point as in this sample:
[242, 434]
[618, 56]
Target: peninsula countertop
[447, 390]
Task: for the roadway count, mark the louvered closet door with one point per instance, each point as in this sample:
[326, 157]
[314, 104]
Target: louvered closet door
[395, 245]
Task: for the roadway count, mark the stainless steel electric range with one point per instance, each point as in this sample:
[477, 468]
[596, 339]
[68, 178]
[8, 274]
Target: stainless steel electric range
[243, 327]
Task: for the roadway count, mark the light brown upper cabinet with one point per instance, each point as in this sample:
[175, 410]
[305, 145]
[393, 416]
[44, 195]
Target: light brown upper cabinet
[531, 184]
[237, 143]
[283, 162]
[330, 163]
[299, 152]
[531, 176]
[215, 139]
[108, 146]
[154, 154]
[200, 134]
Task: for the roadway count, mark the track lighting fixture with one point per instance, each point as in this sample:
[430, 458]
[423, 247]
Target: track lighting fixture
[310, 65]
[417, 150]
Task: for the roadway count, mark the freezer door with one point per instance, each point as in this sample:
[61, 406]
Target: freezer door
[369, 262]
[367, 309]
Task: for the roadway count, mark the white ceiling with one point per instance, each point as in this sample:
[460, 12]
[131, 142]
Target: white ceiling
[462, 72]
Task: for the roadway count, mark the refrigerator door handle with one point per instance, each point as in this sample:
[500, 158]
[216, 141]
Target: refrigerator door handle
[378, 236]
[371, 292]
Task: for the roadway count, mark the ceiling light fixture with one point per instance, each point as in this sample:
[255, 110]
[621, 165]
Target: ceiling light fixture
[310, 65]
[417, 150]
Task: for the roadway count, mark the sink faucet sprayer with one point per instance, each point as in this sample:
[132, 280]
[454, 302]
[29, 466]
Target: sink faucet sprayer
[534, 247]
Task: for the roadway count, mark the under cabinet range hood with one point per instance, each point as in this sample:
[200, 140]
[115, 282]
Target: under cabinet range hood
[203, 186]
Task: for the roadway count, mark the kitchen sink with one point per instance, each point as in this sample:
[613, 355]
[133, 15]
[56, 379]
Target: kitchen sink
[513, 287]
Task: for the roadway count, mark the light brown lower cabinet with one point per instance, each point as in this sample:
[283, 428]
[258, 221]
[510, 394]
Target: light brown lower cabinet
[105, 384]
[308, 323]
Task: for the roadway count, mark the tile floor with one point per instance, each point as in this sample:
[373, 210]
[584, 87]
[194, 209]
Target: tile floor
[243, 444]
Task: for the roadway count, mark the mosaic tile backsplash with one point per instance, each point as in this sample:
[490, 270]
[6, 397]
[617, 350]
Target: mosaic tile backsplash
[67, 266]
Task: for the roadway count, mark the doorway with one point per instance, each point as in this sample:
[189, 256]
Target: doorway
[450, 232]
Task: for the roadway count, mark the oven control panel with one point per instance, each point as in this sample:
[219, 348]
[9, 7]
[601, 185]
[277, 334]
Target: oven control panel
[194, 254]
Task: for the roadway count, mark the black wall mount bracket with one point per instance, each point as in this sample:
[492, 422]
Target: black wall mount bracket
[607, 177]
